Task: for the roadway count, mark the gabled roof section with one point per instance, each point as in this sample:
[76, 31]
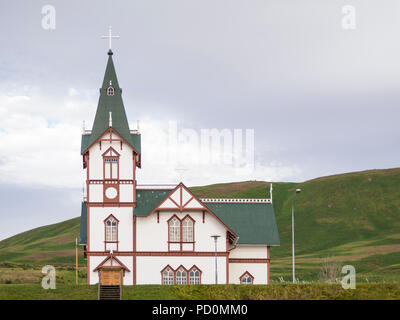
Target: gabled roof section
[111, 262]
[181, 198]
[110, 103]
[83, 233]
[254, 223]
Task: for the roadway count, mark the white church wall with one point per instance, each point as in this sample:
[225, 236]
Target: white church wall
[95, 192]
[128, 262]
[125, 227]
[126, 192]
[153, 236]
[125, 162]
[93, 263]
[258, 270]
[249, 252]
[96, 162]
[149, 268]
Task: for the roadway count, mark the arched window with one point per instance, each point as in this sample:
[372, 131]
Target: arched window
[246, 278]
[174, 230]
[168, 276]
[181, 276]
[187, 230]
[194, 276]
[111, 229]
[110, 91]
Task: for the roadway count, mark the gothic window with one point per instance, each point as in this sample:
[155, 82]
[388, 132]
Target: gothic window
[111, 229]
[194, 276]
[110, 91]
[246, 278]
[181, 276]
[174, 230]
[187, 230]
[168, 276]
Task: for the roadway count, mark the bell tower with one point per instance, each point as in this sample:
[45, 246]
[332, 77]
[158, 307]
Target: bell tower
[111, 153]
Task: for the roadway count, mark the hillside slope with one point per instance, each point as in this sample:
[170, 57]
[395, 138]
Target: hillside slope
[354, 217]
[49, 244]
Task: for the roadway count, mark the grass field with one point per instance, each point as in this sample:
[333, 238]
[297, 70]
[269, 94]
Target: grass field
[207, 292]
[352, 218]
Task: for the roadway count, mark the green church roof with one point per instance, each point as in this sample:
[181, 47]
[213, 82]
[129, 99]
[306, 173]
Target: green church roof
[107, 104]
[254, 223]
[147, 200]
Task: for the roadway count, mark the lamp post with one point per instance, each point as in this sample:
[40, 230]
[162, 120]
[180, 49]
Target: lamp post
[216, 265]
[294, 199]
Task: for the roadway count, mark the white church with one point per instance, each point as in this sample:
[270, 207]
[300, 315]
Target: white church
[135, 234]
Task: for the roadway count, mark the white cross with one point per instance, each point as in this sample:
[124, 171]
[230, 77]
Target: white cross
[109, 37]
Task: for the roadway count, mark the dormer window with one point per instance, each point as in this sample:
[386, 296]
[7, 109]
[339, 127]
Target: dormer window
[110, 91]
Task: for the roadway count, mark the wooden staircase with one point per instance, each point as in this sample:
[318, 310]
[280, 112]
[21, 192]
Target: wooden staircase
[109, 292]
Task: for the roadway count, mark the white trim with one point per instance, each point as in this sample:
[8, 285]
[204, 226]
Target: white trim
[214, 200]
[155, 186]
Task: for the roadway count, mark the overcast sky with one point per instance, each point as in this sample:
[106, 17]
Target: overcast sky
[320, 99]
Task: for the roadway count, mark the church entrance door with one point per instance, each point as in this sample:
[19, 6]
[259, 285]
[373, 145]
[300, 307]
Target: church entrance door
[110, 277]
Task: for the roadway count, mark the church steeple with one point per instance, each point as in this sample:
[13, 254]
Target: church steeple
[111, 101]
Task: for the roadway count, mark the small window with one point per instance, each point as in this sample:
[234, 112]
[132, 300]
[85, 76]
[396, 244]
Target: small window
[174, 230]
[181, 276]
[246, 279]
[194, 276]
[111, 230]
[110, 91]
[168, 276]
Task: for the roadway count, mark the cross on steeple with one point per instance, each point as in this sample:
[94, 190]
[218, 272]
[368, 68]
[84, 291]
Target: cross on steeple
[110, 36]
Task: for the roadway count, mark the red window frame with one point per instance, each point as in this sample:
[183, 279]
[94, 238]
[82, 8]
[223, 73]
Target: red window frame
[177, 269]
[105, 232]
[246, 274]
[180, 242]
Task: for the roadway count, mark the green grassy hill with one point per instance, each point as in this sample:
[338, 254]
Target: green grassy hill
[54, 244]
[352, 218]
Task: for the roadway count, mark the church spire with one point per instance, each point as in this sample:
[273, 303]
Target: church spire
[110, 101]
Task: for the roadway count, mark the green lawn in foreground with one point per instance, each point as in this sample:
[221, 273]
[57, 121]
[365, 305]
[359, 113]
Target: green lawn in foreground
[205, 292]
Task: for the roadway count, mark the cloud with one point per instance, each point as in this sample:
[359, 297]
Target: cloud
[40, 147]
[168, 157]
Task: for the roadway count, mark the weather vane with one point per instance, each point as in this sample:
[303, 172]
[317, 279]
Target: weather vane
[110, 36]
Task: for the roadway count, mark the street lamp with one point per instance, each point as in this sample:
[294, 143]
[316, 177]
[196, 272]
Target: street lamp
[216, 266]
[294, 199]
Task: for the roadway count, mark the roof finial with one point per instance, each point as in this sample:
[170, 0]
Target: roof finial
[83, 127]
[138, 130]
[110, 120]
[109, 37]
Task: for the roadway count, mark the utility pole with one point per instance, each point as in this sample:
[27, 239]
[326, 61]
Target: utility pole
[294, 199]
[216, 264]
[76, 260]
